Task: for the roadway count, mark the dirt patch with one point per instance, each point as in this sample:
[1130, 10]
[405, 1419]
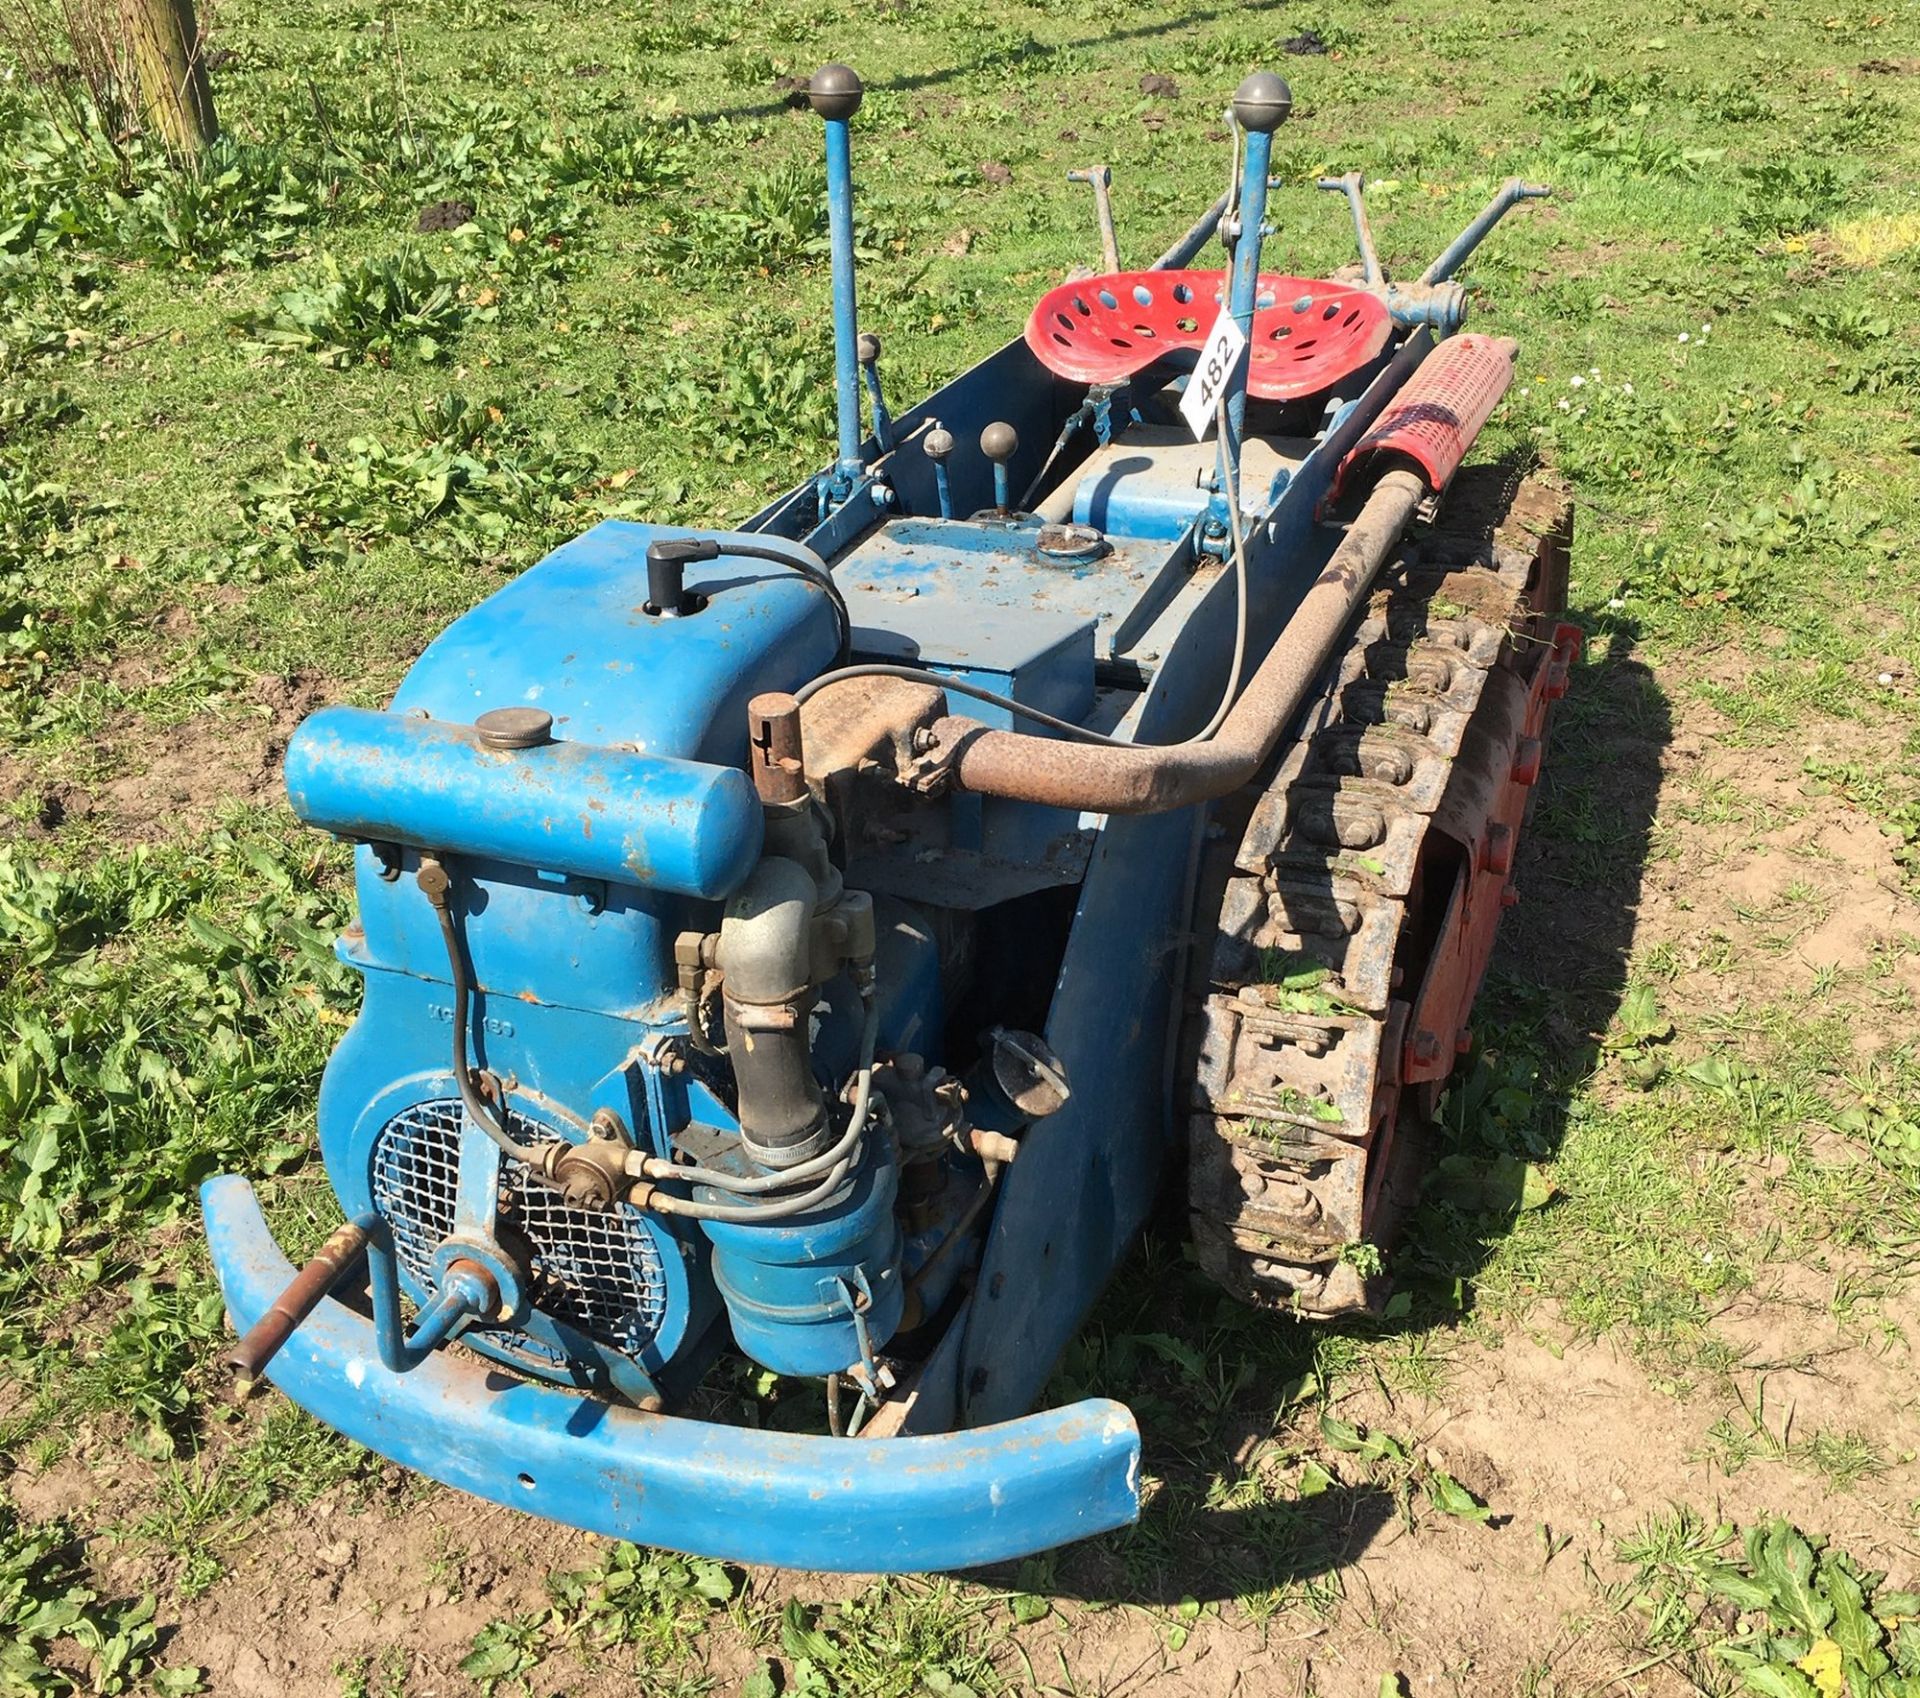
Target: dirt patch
[153, 782]
[1571, 1436]
[1809, 874]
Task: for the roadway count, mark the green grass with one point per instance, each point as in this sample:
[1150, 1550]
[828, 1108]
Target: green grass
[267, 421]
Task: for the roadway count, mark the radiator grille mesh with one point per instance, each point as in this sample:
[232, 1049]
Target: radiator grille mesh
[598, 1273]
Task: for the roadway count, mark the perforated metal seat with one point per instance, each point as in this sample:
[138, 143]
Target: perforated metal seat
[1307, 334]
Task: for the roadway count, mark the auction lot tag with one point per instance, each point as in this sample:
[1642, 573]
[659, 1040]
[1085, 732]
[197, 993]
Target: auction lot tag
[1219, 354]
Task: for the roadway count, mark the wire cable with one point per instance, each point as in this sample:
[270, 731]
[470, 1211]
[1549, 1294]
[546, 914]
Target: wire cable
[958, 687]
[752, 1214]
[814, 570]
[436, 884]
[743, 1185]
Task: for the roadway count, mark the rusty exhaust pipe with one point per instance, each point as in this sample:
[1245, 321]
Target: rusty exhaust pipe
[337, 1258]
[1142, 779]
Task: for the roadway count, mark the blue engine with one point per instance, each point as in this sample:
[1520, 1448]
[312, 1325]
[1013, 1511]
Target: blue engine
[572, 757]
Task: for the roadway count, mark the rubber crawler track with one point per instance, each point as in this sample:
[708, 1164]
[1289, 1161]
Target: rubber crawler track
[1354, 890]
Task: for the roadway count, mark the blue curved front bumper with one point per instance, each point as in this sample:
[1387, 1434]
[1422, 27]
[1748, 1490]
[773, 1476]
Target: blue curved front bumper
[949, 1500]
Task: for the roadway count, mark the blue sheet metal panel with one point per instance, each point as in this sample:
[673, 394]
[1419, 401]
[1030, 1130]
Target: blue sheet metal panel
[1086, 1178]
[572, 635]
[530, 937]
[397, 1053]
[1036, 656]
[994, 565]
[886, 1506]
[1125, 497]
[1030, 654]
[686, 827]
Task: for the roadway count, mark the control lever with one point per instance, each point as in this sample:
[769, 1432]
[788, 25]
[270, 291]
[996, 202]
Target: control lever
[937, 445]
[1261, 104]
[869, 351]
[1102, 180]
[1000, 442]
[1435, 301]
[834, 92]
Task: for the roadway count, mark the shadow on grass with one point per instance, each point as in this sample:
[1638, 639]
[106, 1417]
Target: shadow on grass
[1220, 1389]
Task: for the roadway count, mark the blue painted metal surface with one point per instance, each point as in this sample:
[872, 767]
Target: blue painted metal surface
[687, 827]
[991, 564]
[846, 326]
[806, 1295]
[572, 635]
[948, 1501]
[1243, 290]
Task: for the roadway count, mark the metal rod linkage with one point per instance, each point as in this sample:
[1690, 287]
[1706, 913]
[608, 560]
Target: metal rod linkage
[835, 92]
[1102, 180]
[335, 1260]
[1354, 187]
[1511, 193]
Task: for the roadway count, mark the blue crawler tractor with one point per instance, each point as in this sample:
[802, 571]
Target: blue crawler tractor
[824, 942]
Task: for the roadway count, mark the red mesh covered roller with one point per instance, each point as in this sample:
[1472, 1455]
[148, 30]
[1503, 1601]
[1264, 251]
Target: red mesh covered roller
[1436, 416]
[1307, 335]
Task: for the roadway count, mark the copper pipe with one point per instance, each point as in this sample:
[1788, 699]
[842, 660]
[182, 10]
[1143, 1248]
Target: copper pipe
[248, 1359]
[1141, 779]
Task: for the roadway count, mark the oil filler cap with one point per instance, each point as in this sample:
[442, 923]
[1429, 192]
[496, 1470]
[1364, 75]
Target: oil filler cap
[514, 728]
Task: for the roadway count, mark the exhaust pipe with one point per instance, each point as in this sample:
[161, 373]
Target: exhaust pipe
[1104, 778]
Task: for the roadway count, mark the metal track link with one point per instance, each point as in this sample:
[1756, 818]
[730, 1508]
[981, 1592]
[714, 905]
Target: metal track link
[1350, 918]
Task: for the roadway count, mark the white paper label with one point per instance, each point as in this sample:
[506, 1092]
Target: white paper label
[1219, 354]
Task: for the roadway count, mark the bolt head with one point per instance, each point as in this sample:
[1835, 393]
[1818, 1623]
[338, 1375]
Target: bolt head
[999, 442]
[834, 91]
[1262, 102]
[938, 443]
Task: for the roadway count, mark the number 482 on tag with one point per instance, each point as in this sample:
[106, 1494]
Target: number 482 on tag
[1219, 354]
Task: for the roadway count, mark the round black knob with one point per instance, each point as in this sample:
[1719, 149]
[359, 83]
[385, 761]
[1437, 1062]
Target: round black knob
[939, 443]
[510, 728]
[999, 442]
[1262, 102]
[869, 347]
[835, 91]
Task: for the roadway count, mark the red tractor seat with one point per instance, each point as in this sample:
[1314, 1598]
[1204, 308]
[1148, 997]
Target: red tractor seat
[1307, 334]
